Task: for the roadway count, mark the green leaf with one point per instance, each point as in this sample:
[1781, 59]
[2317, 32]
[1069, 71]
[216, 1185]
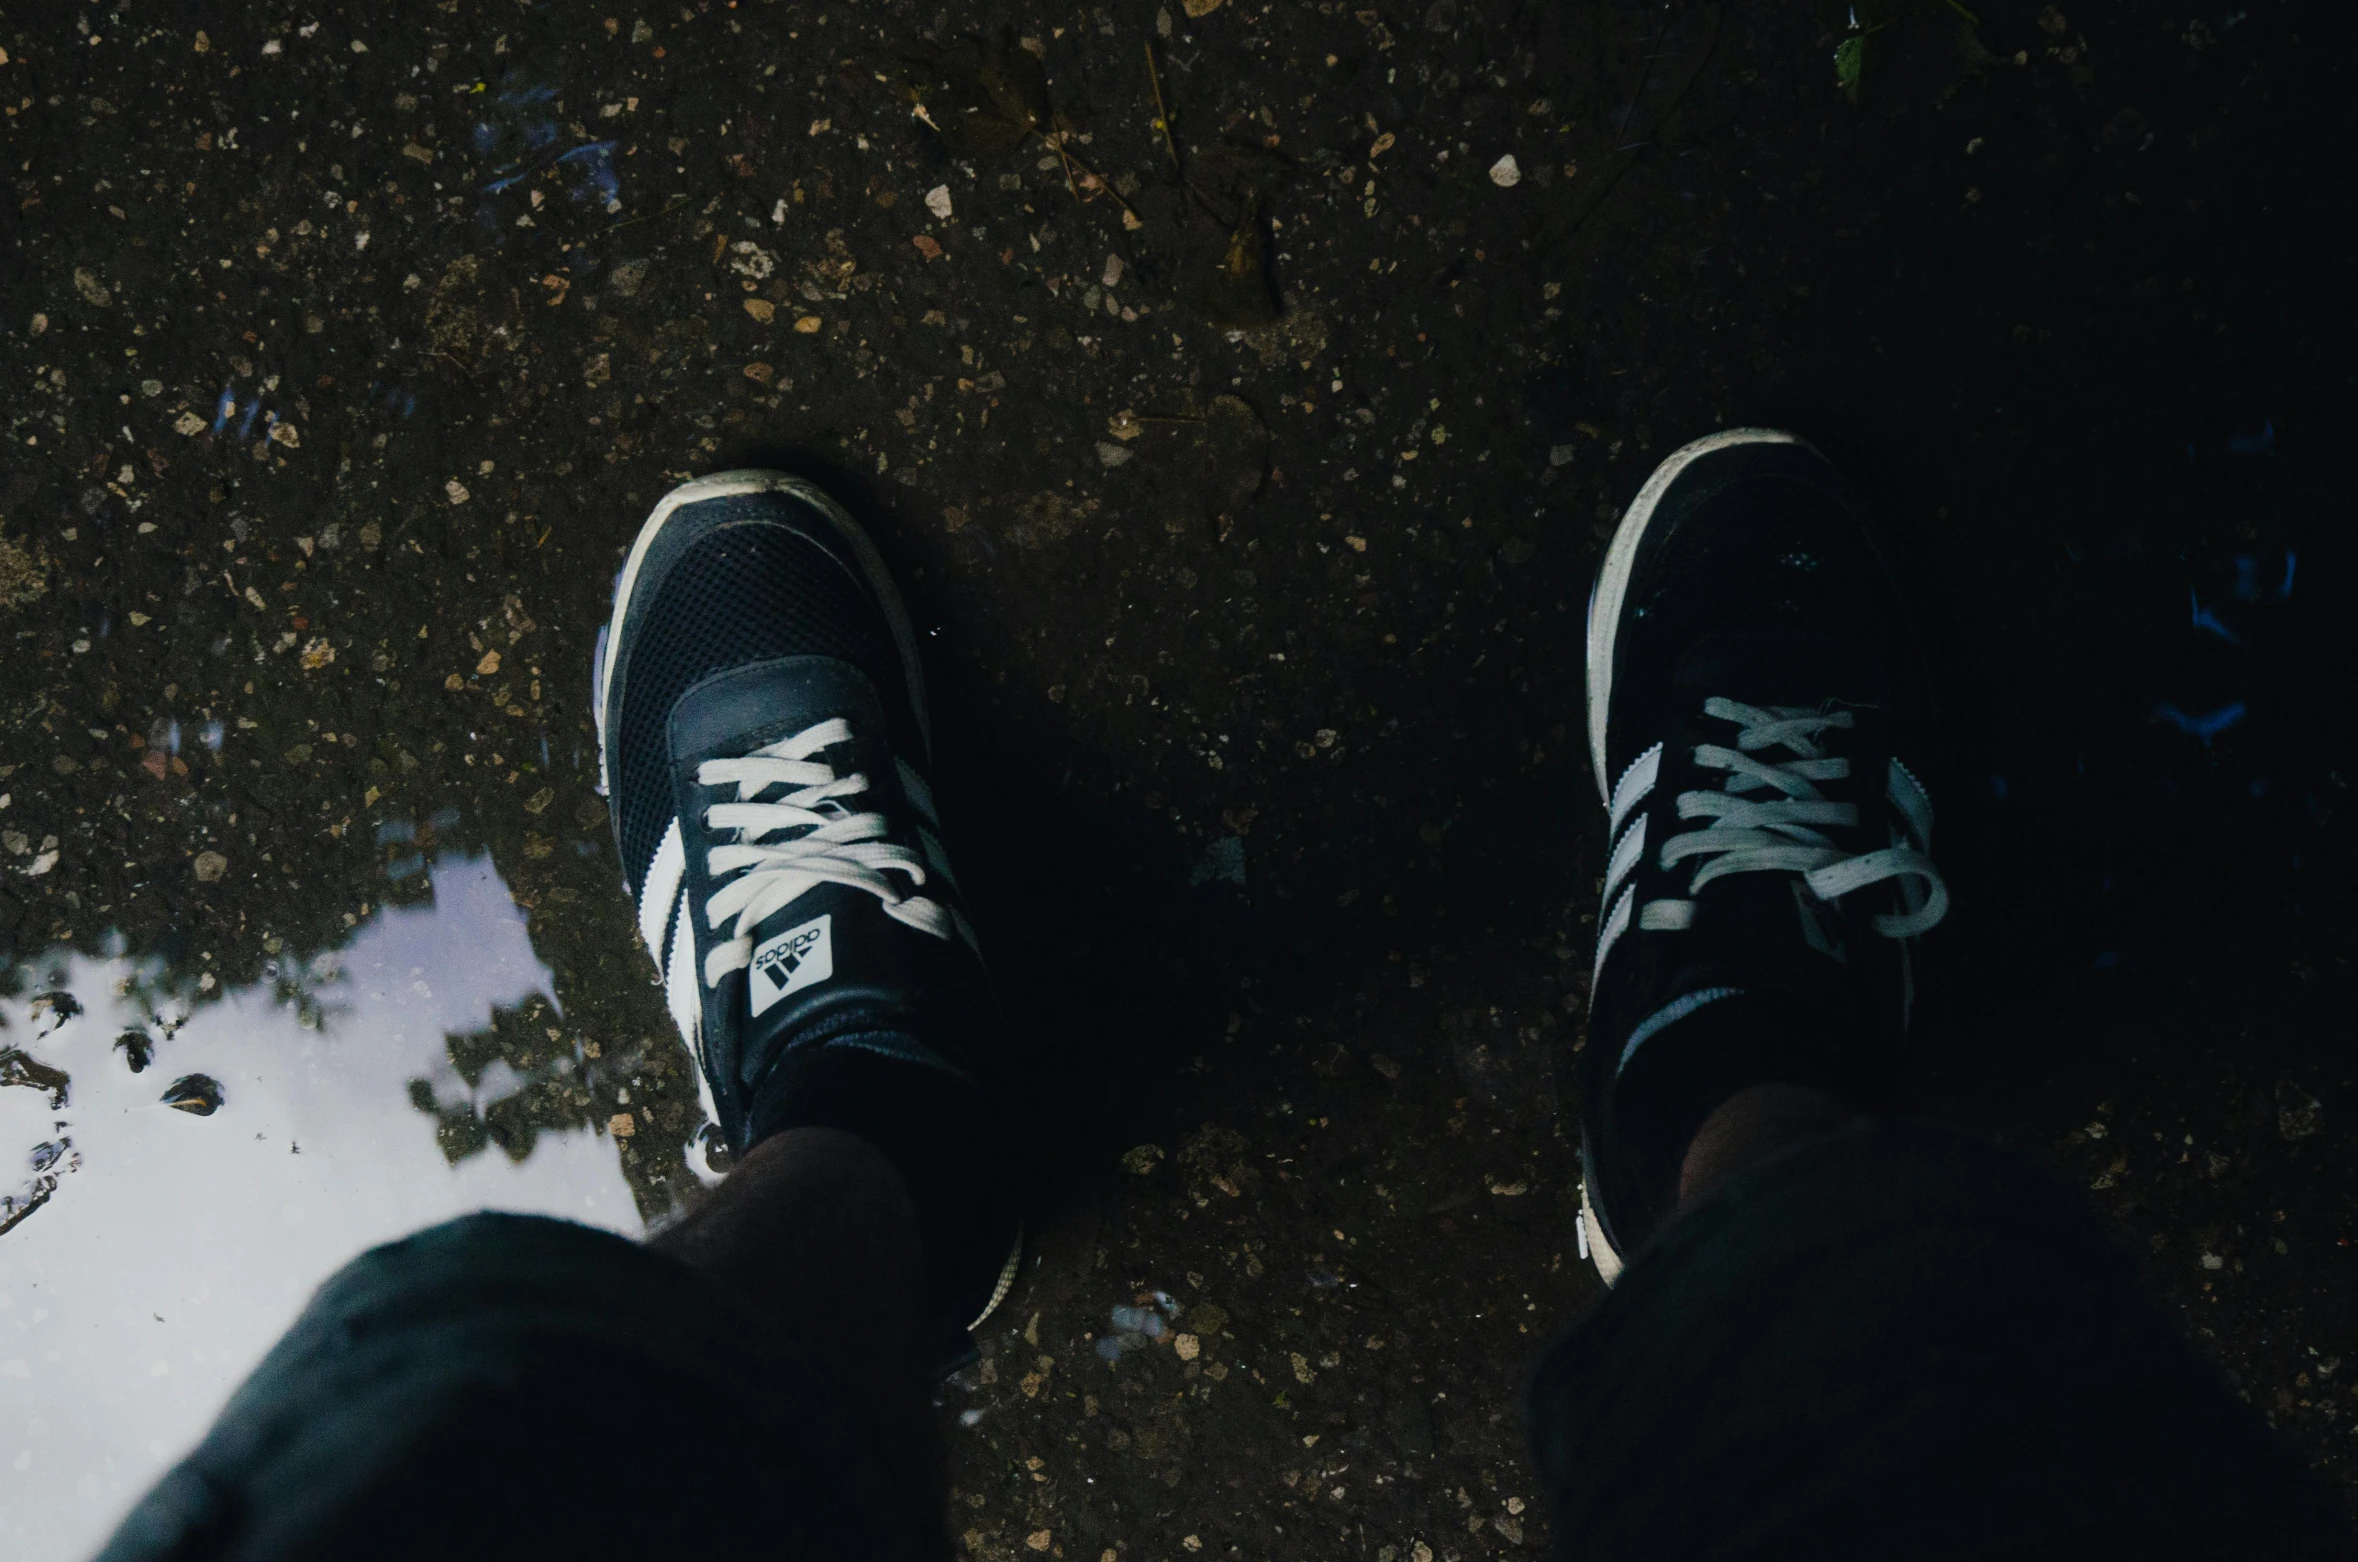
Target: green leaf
[1849, 58]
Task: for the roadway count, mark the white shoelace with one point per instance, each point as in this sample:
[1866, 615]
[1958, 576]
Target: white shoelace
[758, 876]
[1778, 834]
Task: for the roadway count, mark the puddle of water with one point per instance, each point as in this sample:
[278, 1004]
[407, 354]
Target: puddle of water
[175, 1243]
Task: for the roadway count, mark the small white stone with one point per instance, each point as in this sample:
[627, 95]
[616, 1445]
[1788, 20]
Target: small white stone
[937, 201]
[1506, 173]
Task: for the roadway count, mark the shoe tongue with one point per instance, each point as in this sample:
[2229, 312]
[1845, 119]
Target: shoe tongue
[794, 951]
[826, 966]
[1769, 925]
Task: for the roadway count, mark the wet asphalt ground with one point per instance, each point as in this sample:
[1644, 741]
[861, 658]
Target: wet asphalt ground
[1245, 482]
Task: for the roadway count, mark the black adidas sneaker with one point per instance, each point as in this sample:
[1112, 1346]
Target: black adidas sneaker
[1755, 691]
[763, 739]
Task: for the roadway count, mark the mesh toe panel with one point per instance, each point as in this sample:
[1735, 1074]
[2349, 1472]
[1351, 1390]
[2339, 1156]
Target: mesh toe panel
[744, 593]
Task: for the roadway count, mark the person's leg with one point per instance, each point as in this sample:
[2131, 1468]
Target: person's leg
[764, 738]
[1836, 1335]
[816, 1229]
[509, 1386]
[1894, 1340]
[754, 1379]
[1748, 1128]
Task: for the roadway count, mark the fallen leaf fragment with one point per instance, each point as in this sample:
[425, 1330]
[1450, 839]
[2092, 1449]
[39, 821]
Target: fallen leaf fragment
[982, 96]
[199, 1095]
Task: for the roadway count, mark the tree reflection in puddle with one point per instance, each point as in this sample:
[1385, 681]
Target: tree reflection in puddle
[174, 1203]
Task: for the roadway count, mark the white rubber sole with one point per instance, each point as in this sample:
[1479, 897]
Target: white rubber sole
[1593, 1245]
[728, 485]
[1612, 585]
[1006, 1282]
[1605, 600]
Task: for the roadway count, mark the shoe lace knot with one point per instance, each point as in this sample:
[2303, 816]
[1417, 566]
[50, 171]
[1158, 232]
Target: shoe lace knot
[786, 845]
[1772, 817]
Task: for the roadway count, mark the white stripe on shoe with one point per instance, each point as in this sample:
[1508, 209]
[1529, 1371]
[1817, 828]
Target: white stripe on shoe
[1636, 781]
[1616, 924]
[659, 895]
[681, 993]
[1625, 857]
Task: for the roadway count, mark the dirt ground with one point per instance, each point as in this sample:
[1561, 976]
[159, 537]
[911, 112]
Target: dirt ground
[1244, 461]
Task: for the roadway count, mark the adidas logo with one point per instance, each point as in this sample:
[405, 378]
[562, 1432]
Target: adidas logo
[789, 962]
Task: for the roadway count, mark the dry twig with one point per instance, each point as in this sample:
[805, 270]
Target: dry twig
[1162, 114]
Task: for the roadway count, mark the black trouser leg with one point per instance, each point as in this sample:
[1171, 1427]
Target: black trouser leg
[511, 1387]
[1897, 1341]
